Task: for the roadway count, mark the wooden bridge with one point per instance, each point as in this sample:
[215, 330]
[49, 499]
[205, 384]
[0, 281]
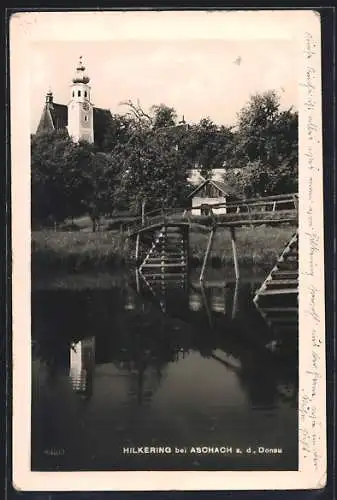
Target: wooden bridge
[165, 237]
[165, 234]
[253, 211]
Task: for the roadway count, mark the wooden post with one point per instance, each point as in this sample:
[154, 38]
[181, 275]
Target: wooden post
[208, 310]
[143, 211]
[163, 252]
[295, 200]
[235, 299]
[162, 272]
[209, 246]
[184, 245]
[235, 256]
[137, 281]
[137, 249]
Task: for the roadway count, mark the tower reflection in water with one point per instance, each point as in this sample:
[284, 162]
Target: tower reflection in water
[141, 330]
[134, 363]
[82, 366]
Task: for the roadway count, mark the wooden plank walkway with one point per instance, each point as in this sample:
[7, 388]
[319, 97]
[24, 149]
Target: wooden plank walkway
[283, 278]
[275, 209]
[168, 252]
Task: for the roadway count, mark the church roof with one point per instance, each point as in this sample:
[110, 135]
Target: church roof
[55, 117]
[102, 118]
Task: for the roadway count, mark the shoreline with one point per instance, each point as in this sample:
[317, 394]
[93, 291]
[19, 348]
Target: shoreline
[93, 279]
[85, 252]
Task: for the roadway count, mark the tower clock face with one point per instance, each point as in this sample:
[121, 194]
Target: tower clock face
[85, 106]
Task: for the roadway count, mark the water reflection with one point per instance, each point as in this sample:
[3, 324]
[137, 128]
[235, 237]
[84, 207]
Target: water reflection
[82, 365]
[280, 313]
[221, 302]
[169, 361]
[222, 298]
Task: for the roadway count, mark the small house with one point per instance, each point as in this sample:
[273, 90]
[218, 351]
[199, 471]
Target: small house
[208, 193]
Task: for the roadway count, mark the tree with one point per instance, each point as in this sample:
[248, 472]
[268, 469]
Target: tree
[163, 116]
[206, 145]
[135, 114]
[264, 147]
[118, 131]
[250, 181]
[51, 199]
[153, 171]
[69, 179]
[145, 158]
[287, 149]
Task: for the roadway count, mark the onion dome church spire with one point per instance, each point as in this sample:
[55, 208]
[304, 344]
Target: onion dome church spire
[80, 108]
[80, 76]
[78, 116]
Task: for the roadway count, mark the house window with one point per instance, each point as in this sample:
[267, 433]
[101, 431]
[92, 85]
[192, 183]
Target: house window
[85, 118]
[73, 93]
[85, 93]
[79, 93]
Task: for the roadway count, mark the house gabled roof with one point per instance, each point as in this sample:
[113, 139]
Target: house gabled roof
[223, 188]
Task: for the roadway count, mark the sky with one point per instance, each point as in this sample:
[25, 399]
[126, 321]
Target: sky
[198, 77]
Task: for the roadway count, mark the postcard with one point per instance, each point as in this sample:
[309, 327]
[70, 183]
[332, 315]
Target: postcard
[168, 250]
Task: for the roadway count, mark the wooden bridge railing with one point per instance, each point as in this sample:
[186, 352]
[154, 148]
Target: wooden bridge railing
[252, 208]
[266, 203]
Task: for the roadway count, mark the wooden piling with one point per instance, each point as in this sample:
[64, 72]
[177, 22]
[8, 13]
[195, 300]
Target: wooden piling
[208, 311]
[295, 199]
[185, 245]
[137, 249]
[209, 246]
[235, 299]
[137, 281]
[143, 212]
[235, 256]
[163, 250]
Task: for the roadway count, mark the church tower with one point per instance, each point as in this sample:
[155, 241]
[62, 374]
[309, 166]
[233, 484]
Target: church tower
[80, 109]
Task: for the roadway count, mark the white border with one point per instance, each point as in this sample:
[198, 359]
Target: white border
[302, 25]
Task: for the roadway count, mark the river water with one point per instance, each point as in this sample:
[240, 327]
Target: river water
[135, 375]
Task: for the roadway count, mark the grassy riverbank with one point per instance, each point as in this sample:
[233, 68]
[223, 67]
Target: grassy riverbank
[259, 246]
[80, 251]
[74, 251]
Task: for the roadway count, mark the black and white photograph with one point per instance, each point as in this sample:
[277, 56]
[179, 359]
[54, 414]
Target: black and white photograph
[168, 297]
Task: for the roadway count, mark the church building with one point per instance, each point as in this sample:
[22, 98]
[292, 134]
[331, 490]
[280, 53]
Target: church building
[79, 117]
